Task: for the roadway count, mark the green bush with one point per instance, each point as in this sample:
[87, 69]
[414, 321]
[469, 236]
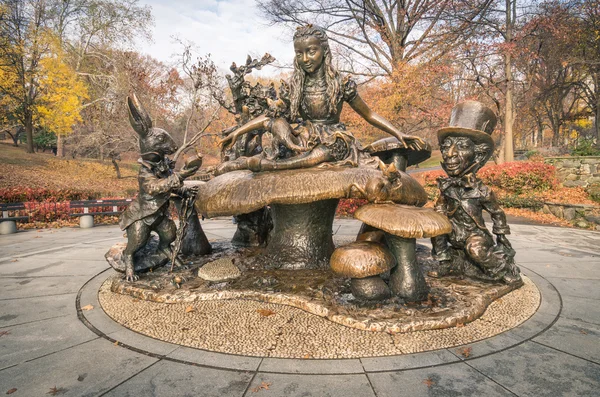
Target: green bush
[586, 148]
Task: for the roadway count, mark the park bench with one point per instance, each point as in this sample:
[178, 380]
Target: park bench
[8, 224]
[84, 209]
[107, 207]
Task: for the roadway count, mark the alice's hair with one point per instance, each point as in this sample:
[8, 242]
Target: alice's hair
[332, 77]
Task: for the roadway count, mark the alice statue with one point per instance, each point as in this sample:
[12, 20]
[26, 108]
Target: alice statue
[317, 93]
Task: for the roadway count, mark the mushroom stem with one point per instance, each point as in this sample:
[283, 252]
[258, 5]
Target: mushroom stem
[406, 279]
[301, 237]
[400, 161]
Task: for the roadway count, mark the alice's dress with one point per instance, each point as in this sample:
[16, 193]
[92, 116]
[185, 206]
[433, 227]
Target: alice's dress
[324, 127]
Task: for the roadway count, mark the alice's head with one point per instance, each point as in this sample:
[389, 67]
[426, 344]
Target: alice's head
[311, 47]
[313, 55]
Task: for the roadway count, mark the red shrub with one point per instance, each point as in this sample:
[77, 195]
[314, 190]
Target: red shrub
[347, 207]
[512, 177]
[25, 194]
[519, 176]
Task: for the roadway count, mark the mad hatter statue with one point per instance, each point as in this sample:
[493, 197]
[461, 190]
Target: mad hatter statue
[470, 250]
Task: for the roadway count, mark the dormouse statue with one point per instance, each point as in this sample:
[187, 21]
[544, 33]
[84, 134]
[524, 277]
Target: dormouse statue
[470, 249]
[157, 181]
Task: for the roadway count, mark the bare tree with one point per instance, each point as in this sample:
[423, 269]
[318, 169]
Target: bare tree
[374, 36]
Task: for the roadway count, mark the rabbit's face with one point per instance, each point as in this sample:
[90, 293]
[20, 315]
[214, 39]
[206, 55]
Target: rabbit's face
[152, 139]
[159, 141]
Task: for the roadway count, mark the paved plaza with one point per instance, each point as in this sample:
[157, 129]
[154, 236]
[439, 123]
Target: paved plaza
[50, 346]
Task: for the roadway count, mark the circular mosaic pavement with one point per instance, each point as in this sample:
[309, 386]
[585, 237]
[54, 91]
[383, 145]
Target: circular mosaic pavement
[253, 328]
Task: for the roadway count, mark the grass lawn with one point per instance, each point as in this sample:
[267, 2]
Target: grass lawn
[19, 169]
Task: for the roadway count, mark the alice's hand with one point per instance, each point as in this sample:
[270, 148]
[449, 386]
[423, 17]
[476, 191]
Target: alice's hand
[228, 141]
[414, 142]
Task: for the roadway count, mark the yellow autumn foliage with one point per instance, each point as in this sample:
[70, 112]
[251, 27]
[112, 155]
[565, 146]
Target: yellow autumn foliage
[62, 92]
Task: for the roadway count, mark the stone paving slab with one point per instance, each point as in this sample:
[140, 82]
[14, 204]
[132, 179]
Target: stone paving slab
[531, 369]
[88, 369]
[26, 310]
[408, 361]
[578, 287]
[23, 287]
[40, 266]
[172, 379]
[36, 339]
[310, 385]
[577, 338]
[581, 309]
[216, 360]
[347, 366]
[444, 381]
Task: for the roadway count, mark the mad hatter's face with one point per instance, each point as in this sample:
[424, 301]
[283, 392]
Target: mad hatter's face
[458, 154]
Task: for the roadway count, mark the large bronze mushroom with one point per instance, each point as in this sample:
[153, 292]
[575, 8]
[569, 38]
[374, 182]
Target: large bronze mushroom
[303, 204]
[402, 226]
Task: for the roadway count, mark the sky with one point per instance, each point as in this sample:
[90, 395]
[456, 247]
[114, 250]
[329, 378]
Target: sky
[229, 30]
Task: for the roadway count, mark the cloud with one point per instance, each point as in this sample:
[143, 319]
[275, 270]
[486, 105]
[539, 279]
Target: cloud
[227, 29]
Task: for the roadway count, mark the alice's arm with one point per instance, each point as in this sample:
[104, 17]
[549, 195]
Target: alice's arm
[376, 120]
[257, 123]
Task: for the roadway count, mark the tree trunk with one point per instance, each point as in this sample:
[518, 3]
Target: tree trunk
[501, 152]
[116, 165]
[509, 117]
[539, 141]
[29, 131]
[597, 117]
[60, 146]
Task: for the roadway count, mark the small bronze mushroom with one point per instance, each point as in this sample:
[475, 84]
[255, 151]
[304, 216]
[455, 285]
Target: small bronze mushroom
[363, 262]
[402, 226]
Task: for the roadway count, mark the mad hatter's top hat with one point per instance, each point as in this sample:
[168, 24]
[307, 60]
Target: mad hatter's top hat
[471, 119]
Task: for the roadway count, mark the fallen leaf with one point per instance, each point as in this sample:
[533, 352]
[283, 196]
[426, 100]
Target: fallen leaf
[583, 332]
[14, 260]
[135, 300]
[265, 312]
[465, 351]
[307, 356]
[263, 385]
[2, 333]
[459, 325]
[185, 329]
[116, 343]
[11, 391]
[54, 391]
[429, 382]
[190, 309]
[87, 307]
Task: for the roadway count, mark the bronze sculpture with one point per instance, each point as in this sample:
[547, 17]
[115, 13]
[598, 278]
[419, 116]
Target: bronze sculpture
[157, 181]
[466, 145]
[317, 93]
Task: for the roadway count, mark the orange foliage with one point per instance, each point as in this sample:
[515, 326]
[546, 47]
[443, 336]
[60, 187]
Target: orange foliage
[415, 99]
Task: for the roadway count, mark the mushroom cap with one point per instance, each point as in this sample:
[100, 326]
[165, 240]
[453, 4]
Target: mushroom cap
[404, 221]
[241, 192]
[362, 259]
[384, 148]
[222, 269]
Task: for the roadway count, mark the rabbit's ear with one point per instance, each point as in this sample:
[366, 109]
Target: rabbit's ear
[138, 117]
